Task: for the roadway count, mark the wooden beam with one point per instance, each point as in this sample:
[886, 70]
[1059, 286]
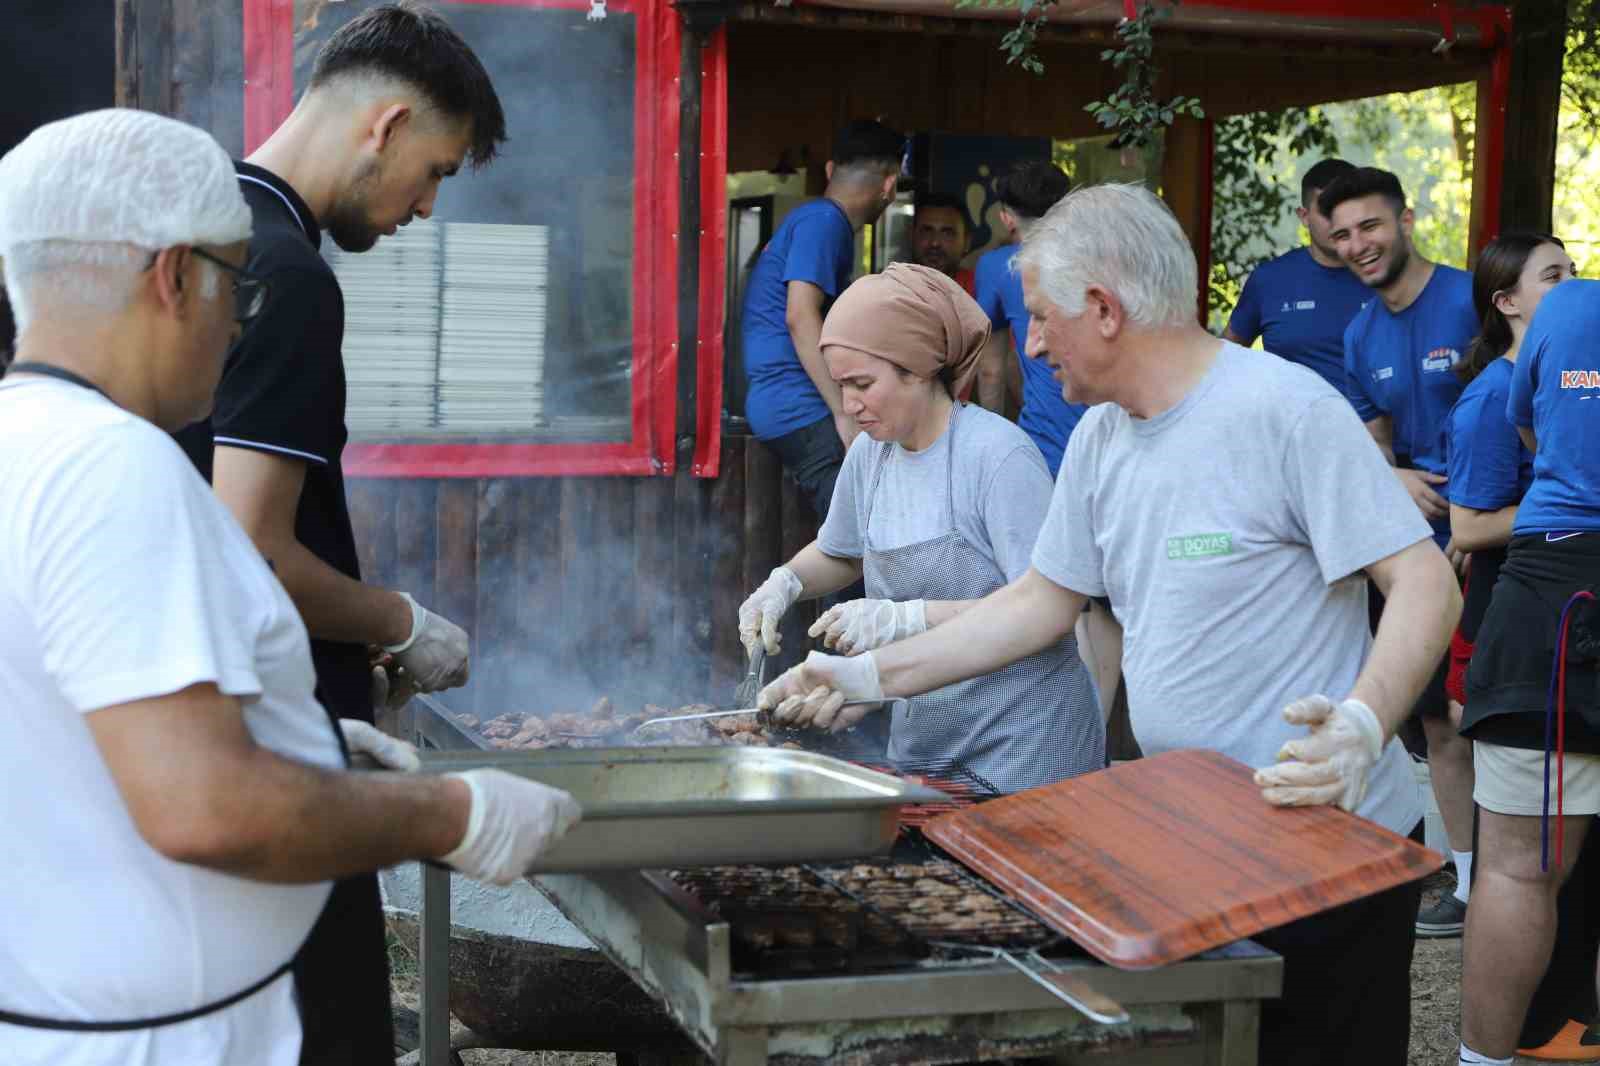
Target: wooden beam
[1528, 164]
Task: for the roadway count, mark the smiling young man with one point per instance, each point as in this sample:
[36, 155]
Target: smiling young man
[396, 103]
[1400, 354]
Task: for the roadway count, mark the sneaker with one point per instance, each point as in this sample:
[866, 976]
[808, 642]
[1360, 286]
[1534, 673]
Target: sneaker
[1445, 918]
[1575, 1042]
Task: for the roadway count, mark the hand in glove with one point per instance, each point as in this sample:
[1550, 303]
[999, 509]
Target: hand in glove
[386, 751]
[435, 655]
[861, 625]
[813, 694]
[1331, 764]
[512, 822]
[390, 693]
[760, 614]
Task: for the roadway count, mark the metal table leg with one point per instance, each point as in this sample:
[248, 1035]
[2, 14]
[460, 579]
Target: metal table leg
[435, 965]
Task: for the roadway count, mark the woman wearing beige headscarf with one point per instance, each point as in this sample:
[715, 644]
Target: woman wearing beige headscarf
[938, 504]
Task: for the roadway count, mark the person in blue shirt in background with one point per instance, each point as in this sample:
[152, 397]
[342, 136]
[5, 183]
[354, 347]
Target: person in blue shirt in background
[1489, 467]
[1301, 302]
[792, 403]
[1522, 668]
[1400, 353]
[1025, 194]
[1490, 471]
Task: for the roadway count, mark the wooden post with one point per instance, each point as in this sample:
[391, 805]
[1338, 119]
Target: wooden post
[144, 55]
[1527, 167]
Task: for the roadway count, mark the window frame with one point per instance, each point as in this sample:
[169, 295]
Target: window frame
[269, 97]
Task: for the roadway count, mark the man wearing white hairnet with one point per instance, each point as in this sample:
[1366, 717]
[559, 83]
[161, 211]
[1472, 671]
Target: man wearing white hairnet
[396, 102]
[1230, 505]
[176, 800]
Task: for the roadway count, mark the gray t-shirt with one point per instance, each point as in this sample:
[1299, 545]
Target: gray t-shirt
[1002, 489]
[1230, 533]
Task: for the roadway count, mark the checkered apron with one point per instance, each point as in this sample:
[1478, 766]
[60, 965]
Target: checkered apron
[1026, 724]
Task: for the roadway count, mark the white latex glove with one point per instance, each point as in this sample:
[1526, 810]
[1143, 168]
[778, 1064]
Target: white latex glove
[861, 625]
[760, 614]
[813, 694]
[435, 655]
[386, 751]
[512, 822]
[1331, 764]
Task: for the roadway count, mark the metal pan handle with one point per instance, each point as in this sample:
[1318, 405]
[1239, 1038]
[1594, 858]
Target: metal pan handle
[1068, 987]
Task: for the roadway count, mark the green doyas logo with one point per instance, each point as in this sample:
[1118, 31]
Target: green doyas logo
[1199, 545]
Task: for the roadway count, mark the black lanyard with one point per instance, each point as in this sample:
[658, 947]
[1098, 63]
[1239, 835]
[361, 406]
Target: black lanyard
[50, 370]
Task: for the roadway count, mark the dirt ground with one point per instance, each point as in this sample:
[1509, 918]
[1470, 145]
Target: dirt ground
[1435, 1003]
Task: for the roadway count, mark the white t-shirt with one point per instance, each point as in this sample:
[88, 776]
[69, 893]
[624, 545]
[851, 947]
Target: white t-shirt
[122, 577]
[1231, 534]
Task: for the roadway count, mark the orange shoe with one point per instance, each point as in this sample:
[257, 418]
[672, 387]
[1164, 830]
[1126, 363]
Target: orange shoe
[1575, 1042]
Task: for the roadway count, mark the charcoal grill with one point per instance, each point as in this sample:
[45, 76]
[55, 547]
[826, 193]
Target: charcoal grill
[802, 966]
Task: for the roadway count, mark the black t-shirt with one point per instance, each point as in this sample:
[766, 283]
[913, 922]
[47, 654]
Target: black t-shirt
[283, 392]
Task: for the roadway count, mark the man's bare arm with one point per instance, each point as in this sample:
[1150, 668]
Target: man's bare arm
[263, 492]
[1382, 431]
[992, 373]
[201, 791]
[803, 315]
[1422, 605]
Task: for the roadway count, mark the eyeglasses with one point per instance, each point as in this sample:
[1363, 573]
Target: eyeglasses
[249, 290]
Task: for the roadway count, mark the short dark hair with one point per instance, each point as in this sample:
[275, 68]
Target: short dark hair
[1031, 189]
[1359, 182]
[1322, 175]
[934, 199]
[865, 141]
[415, 45]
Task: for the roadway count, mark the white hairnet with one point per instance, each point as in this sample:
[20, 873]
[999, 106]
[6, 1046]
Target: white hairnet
[120, 176]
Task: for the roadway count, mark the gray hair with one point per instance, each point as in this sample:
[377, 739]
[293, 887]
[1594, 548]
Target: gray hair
[79, 278]
[1122, 238]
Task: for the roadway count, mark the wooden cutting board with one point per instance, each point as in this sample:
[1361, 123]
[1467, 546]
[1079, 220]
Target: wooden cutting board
[1157, 859]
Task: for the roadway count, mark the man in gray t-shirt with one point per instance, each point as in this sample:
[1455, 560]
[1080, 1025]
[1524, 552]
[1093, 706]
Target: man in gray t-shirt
[1230, 505]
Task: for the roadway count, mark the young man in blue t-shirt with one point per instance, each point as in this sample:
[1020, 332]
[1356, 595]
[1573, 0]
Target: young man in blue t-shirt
[792, 403]
[1025, 194]
[1400, 352]
[1301, 302]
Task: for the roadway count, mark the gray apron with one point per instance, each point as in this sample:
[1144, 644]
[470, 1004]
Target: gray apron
[1027, 724]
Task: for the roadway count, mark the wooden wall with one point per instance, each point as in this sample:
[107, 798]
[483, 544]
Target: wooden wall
[573, 588]
[795, 75]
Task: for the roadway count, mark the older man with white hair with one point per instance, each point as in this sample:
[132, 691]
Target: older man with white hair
[176, 799]
[1229, 504]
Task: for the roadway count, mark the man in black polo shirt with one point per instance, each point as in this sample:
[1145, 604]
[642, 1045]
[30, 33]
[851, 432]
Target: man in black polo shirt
[396, 103]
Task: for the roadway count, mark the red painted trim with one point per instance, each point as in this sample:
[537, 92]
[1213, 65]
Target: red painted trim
[1208, 170]
[268, 68]
[495, 460]
[713, 253]
[1493, 125]
[269, 97]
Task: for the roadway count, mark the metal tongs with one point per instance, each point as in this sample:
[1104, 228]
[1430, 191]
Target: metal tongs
[730, 713]
[1067, 985]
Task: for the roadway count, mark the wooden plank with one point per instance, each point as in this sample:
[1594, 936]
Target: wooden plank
[416, 534]
[540, 610]
[651, 641]
[155, 75]
[193, 76]
[690, 680]
[763, 538]
[496, 641]
[227, 74]
[371, 504]
[456, 563]
[582, 673]
[126, 88]
[727, 570]
[610, 657]
[799, 528]
[1157, 860]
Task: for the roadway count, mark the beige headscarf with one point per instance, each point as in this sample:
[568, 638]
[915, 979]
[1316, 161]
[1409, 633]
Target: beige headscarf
[914, 317]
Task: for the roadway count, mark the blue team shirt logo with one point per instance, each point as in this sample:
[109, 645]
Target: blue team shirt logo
[1440, 359]
[1580, 379]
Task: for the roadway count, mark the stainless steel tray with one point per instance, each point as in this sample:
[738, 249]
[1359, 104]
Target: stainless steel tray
[652, 807]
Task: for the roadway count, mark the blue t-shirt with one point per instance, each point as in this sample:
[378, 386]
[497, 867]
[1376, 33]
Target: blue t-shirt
[1489, 466]
[1402, 365]
[1555, 391]
[1045, 417]
[1300, 309]
[815, 243]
